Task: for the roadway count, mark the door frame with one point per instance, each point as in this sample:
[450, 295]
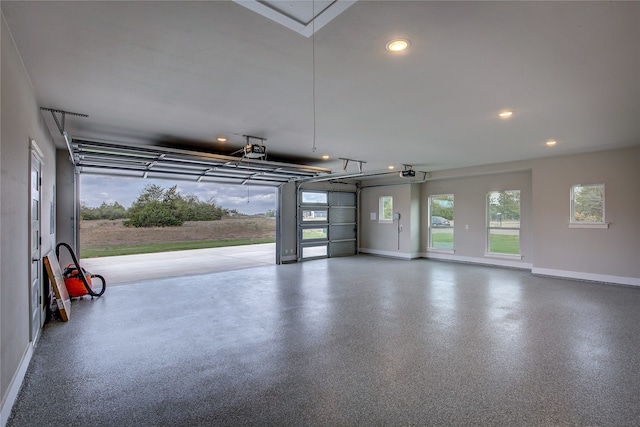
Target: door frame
[36, 291]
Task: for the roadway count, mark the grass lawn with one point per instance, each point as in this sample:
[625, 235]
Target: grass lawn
[504, 244]
[500, 243]
[313, 233]
[147, 248]
[442, 240]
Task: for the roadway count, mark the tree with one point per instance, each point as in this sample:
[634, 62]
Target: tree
[587, 203]
[156, 207]
[110, 211]
[442, 206]
[506, 203]
[387, 207]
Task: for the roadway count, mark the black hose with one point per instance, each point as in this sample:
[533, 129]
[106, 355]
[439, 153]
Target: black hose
[86, 284]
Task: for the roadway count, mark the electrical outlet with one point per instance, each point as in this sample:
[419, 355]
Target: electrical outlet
[466, 226]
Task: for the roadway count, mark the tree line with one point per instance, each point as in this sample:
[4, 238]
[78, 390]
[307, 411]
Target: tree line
[158, 207]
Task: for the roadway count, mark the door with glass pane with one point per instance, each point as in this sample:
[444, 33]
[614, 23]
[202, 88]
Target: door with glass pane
[326, 224]
[35, 277]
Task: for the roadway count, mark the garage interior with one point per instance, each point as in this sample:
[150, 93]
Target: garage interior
[372, 322]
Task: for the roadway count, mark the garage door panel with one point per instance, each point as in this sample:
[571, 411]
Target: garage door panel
[337, 249]
[342, 215]
[330, 216]
[342, 232]
[342, 199]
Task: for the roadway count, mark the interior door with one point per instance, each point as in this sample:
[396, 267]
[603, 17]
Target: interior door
[35, 291]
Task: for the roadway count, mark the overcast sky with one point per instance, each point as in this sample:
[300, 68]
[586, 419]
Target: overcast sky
[245, 199]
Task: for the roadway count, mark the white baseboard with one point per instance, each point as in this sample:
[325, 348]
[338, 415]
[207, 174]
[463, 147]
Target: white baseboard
[14, 387]
[390, 254]
[494, 261]
[591, 277]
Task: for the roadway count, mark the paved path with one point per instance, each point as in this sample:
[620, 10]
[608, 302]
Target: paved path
[118, 270]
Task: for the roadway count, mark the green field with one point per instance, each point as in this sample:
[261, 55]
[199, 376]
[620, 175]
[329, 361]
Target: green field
[504, 244]
[147, 248]
[500, 243]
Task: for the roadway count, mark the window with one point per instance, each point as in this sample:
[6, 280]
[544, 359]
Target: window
[314, 197]
[441, 222]
[503, 222]
[587, 204]
[314, 233]
[314, 215]
[385, 209]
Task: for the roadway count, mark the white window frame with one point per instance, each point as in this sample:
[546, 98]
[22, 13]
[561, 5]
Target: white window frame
[430, 247]
[381, 218]
[573, 223]
[489, 228]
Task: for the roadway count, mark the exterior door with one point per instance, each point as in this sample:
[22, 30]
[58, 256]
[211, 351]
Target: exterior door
[35, 291]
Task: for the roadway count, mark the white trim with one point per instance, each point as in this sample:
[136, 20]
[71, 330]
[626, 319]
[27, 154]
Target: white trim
[390, 254]
[473, 260]
[441, 251]
[35, 149]
[503, 256]
[573, 210]
[15, 385]
[306, 29]
[588, 225]
[592, 277]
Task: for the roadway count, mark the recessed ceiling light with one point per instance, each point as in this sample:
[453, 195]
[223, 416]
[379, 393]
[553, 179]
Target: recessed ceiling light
[551, 142]
[221, 139]
[325, 157]
[505, 114]
[397, 45]
[391, 167]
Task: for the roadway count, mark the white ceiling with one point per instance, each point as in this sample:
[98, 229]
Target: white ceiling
[183, 73]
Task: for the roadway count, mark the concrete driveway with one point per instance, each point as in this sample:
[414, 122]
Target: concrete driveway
[118, 270]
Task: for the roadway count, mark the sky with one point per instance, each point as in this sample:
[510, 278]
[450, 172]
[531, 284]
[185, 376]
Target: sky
[96, 189]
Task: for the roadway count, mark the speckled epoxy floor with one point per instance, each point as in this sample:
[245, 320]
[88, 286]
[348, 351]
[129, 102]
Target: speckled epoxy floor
[346, 341]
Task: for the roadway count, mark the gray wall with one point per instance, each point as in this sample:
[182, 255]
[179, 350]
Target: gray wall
[611, 254]
[548, 245]
[382, 238]
[470, 209]
[21, 121]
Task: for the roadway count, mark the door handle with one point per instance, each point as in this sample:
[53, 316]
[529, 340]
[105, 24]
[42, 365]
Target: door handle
[35, 259]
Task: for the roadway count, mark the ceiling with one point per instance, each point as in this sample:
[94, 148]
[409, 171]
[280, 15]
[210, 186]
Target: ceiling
[180, 74]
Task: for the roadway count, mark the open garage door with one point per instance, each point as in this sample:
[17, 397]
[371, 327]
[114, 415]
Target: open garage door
[327, 225]
[160, 162]
[102, 158]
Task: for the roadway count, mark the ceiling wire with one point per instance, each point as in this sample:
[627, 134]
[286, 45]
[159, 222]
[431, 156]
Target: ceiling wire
[313, 54]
